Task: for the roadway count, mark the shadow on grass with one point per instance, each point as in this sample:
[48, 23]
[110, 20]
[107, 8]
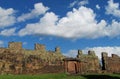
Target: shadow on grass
[100, 77]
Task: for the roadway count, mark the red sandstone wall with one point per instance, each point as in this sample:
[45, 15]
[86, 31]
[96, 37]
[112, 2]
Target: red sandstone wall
[111, 64]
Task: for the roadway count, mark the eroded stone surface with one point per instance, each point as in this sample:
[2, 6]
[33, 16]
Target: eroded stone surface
[84, 63]
[89, 63]
[111, 64]
[16, 60]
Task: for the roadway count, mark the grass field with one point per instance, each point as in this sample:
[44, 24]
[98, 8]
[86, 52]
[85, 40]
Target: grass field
[61, 76]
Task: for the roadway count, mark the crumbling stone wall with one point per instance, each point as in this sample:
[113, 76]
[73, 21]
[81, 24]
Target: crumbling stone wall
[40, 47]
[16, 60]
[111, 64]
[83, 63]
[90, 61]
[57, 49]
[15, 45]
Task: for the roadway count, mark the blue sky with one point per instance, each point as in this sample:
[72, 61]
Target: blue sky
[69, 24]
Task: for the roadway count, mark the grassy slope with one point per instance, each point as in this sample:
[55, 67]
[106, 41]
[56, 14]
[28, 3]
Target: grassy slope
[59, 76]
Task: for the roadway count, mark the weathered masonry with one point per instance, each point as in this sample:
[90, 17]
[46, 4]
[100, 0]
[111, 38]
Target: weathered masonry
[89, 63]
[17, 60]
[83, 63]
[111, 64]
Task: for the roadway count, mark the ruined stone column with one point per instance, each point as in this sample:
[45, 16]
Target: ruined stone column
[92, 53]
[15, 45]
[115, 56]
[57, 49]
[79, 53]
[40, 47]
[104, 60]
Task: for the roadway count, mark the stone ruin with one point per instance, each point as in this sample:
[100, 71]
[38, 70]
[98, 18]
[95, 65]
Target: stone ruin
[110, 64]
[89, 63]
[82, 63]
[17, 60]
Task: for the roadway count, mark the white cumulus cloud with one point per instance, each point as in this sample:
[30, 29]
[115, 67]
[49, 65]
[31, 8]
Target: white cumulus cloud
[109, 50]
[39, 9]
[78, 23]
[8, 32]
[71, 53]
[73, 3]
[78, 3]
[113, 8]
[84, 2]
[97, 6]
[7, 17]
[46, 26]
[98, 51]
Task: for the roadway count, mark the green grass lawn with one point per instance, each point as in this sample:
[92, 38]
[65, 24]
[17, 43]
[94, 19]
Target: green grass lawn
[61, 76]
